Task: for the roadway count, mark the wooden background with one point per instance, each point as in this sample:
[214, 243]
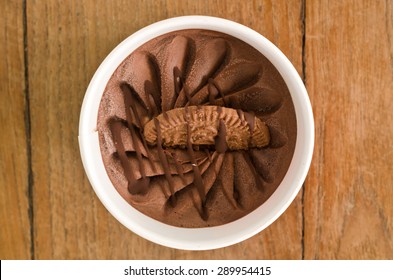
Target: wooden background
[49, 52]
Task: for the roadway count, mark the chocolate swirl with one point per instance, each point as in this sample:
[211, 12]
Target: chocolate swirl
[196, 185]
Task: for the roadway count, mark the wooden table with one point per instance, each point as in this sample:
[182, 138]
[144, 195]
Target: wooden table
[51, 49]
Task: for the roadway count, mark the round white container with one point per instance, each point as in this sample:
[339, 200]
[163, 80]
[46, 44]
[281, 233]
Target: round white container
[198, 238]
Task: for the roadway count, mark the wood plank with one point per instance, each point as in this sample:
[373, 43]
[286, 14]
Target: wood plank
[14, 202]
[67, 42]
[349, 70]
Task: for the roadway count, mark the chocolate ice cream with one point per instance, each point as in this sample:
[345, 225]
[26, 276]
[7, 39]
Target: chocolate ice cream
[196, 128]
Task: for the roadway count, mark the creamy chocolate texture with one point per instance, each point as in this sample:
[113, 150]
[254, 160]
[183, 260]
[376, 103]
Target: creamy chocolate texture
[196, 128]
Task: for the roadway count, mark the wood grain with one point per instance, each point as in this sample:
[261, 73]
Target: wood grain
[348, 195]
[349, 70]
[14, 205]
[67, 41]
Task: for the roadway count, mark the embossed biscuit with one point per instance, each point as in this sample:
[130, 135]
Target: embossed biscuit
[200, 125]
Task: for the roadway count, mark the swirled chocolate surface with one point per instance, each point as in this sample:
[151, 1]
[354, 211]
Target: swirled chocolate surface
[196, 128]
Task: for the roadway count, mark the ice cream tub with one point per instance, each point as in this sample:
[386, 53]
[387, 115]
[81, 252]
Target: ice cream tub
[202, 238]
